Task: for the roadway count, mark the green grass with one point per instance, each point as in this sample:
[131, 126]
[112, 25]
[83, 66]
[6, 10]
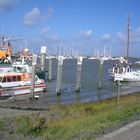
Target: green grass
[82, 121]
[2, 122]
[30, 125]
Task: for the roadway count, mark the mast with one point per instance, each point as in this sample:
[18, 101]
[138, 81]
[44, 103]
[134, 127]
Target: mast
[128, 37]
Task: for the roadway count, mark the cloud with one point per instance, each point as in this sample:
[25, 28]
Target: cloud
[44, 31]
[49, 14]
[137, 32]
[85, 43]
[7, 5]
[136, 35]
[84, 34]
[49, 36]
[106, 38]
[120, 36]
[32, 18]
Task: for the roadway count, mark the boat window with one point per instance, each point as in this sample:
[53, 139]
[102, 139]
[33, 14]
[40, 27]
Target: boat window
[19, 69]
[14, 78]
[4, 80]
[14, 69]
[9, 79]
[18, 78]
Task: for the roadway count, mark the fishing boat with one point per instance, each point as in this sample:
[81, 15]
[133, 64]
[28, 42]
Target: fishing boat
[17, 81]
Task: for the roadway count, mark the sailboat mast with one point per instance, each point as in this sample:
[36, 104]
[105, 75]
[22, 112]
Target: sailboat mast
[128, 37]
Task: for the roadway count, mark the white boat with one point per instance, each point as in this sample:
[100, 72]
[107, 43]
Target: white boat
[17, 81]
[137, 63]
[124, 74]
[119, 73]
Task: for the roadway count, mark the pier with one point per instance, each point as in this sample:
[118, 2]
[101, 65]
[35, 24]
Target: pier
[78, 70]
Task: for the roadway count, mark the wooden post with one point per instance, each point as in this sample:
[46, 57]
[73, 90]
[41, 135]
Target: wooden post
[50, 70]
[59, 75]
[100, 84]
[33, 76]
[43, 60]
[78, 75]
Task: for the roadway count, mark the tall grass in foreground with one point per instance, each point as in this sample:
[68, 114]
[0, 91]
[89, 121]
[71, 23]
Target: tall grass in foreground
[82, 121]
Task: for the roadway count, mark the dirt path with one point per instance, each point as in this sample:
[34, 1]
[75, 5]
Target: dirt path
[5, 112]
[15, 108]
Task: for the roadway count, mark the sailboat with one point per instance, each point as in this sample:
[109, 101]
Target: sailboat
[125, 73]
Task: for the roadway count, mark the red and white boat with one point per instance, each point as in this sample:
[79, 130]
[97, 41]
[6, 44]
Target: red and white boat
[17, 81]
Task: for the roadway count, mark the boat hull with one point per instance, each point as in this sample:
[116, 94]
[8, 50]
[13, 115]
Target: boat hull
[127, 77]
[21, 90]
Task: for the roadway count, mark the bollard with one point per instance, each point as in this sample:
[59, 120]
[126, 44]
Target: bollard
[43, 60]
[119, 92]
[50, 70]
[59, 75]
[33, 76]
[100, 84]
[78, 75]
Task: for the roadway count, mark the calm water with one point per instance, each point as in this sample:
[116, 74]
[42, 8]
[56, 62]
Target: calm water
[89, 83]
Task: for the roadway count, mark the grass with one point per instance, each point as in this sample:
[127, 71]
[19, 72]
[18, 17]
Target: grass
[1, 124]
[81, 121]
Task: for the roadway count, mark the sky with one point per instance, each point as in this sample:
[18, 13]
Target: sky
[78, 27]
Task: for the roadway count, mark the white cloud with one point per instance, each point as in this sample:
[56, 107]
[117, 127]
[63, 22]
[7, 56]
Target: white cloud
[49, 13]
[7, 5]
[84, 42]
[137, 32]
[121, 37]
[32, 18]
[106, 38]
[44, 31]
[85, 34]
[136, 35]
[49, 36]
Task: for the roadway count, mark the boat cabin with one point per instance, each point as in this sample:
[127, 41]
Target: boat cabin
[4, 78]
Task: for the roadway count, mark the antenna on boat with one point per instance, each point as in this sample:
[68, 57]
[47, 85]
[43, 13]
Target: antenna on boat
[128, 37]
[3, 39]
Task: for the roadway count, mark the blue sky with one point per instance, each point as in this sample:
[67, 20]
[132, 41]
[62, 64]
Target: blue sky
[72, 26]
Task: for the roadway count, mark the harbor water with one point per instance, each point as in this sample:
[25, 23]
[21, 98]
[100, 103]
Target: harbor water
[89, 83]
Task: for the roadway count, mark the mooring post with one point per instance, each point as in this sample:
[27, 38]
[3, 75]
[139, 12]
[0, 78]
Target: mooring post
[43, 60]
[59, 75]
[33, 76]
[50, 70]
[100, 84]
[118, 85]
[78, 75]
